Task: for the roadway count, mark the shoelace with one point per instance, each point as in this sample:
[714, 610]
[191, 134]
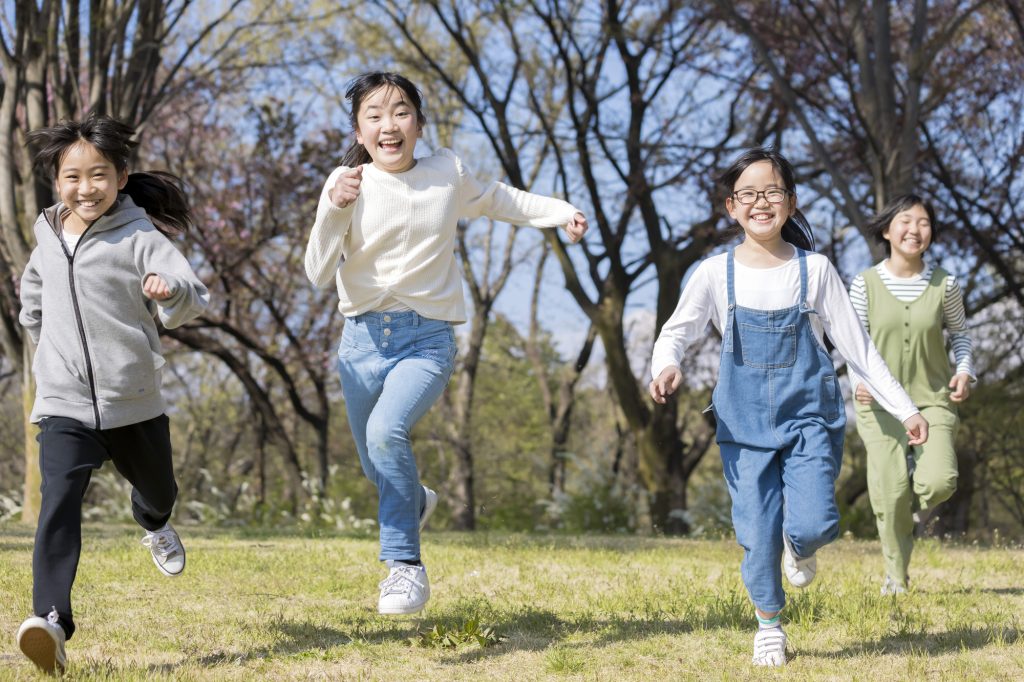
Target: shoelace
[401, 580]
[768, 642]
[163, 542]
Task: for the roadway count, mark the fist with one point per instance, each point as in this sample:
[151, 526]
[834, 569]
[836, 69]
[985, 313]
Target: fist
[346, 187]
[155, 288]
[863, 395]
[576, 228]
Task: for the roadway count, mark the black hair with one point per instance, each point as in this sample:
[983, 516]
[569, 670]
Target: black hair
[366, 84]
[161, 194]
[881, 220]
[796, 231]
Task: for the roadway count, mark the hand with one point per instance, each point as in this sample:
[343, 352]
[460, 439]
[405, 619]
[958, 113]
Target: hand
[863, 395]
[917, 429]
[577, 227]
[961, 385]
[346, 187]
[155, 287]
[666, 384]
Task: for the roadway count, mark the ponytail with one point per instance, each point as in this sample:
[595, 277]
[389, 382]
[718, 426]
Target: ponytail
[356, 156]
[162, 196]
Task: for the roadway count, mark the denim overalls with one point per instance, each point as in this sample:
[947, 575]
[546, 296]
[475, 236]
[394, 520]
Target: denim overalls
[781, 422]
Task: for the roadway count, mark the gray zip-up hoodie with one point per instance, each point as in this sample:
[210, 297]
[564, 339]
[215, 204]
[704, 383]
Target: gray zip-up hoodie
[98, 350]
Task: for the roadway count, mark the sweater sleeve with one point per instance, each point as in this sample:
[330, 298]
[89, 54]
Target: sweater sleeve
[326, 239]
[31, 316]
[844, 327]
[955, 320]
[505, 203]
[189, 296]
[687, 323]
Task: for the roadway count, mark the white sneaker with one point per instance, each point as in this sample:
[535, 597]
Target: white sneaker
[42, 640]
[770, 647]
[405, 591]
[429, 505]
[168, 552]
[891, 587]
[799, 572]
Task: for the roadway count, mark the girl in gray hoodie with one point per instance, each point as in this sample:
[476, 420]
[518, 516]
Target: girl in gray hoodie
[102, 269]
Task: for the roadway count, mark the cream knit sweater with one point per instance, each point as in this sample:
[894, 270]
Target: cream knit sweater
[396, 241]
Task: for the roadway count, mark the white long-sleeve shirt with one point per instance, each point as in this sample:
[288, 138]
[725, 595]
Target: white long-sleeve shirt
[908, 289]
[395, 244]
[705, 299]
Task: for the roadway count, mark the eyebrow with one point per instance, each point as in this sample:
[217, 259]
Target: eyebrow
[399, 103]
[98, 166]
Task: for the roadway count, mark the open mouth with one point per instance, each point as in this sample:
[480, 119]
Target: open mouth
[390, 145]
[762, 218]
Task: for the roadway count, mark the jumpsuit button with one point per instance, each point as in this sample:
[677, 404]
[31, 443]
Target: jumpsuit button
[387, 318]
[387, 332]
[384, 345]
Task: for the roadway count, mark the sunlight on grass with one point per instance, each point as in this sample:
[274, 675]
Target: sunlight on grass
[514, 607]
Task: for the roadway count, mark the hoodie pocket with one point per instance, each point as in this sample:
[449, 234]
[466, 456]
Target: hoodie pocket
[57, 376]
[126, 367]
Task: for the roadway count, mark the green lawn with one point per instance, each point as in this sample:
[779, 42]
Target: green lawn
[276, 606]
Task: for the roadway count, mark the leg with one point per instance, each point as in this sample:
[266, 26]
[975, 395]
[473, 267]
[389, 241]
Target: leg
[935, 473]
[362, 380]
[889, 488]
[142, 454]
[755, 485]
[68, 452]
[810, 467]
[412, 386]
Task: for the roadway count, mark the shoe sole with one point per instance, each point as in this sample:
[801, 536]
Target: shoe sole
[40, 648]
[401, 612]
[430, 504]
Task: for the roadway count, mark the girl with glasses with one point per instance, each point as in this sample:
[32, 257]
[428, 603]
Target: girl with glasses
[779, 410]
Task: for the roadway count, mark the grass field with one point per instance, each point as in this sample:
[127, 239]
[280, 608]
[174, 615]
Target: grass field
[276, 606]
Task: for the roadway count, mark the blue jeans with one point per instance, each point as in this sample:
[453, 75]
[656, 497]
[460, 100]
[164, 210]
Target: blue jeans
[393, 367]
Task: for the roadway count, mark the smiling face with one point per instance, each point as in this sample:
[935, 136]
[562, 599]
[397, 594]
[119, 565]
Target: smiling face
[388, 127]
[762, 220]
[87, 182]
[909, 233]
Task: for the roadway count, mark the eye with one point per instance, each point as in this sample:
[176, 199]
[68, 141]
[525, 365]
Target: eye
[746, 195]
[775, 195]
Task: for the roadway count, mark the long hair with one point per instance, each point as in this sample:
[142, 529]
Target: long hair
[369, 83]
[880, 222]
[796, 230]
[161, 194]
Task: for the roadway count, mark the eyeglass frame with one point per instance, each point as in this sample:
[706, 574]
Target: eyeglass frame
[763, 192]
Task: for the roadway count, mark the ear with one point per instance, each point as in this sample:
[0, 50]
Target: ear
[122, 179]
[359, 136]
[730, 206]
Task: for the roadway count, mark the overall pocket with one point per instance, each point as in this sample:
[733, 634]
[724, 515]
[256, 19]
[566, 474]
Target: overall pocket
[768, 347]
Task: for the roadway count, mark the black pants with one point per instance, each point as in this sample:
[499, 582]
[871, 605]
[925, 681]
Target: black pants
[68, 453]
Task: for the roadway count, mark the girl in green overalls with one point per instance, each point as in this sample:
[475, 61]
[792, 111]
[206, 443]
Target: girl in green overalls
[905, 303]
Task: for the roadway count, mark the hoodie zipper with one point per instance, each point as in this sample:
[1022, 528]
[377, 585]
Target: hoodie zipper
[78, 316]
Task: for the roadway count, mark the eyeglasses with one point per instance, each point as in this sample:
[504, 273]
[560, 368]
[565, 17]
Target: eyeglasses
[775, 195]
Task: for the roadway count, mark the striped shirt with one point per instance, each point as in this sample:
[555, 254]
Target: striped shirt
[907, 289]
